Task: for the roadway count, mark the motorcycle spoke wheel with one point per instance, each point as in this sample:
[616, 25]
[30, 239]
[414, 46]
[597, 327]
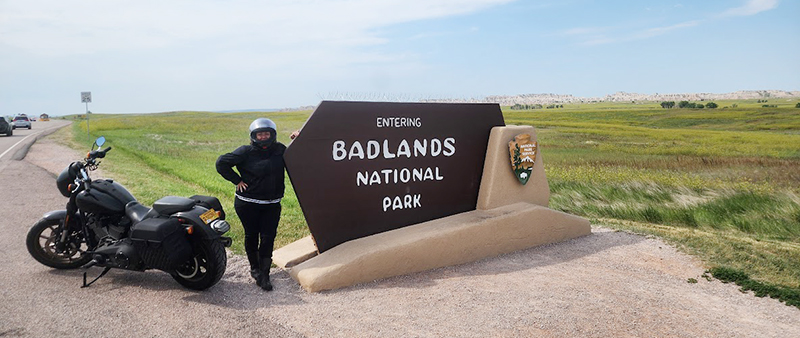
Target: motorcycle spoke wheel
[41, 243]
[71, 253]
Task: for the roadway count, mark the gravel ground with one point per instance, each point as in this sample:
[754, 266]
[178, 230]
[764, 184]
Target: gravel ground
[607, 284]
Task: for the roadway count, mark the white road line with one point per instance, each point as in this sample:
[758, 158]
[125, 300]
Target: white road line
[20, 141]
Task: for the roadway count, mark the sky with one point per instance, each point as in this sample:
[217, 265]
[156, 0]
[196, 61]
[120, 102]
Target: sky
[211, 55]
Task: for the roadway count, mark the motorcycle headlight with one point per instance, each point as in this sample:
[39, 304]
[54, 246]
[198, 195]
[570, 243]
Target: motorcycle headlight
[220, 226]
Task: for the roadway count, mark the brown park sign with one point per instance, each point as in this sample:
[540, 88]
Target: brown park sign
[361, 168]
[523, 156]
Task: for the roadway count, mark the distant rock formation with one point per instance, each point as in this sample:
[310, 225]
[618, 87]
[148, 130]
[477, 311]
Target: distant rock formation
[549, 98]
[301, 108]
[510, 100]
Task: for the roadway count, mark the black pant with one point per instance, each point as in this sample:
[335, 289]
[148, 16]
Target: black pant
[260, 221]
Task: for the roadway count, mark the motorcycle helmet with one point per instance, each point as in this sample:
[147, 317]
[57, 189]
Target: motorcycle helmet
[263, 124]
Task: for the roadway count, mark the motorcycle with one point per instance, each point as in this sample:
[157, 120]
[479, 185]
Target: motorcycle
[103, 225]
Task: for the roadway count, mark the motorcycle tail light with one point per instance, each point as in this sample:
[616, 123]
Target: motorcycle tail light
[220, 226]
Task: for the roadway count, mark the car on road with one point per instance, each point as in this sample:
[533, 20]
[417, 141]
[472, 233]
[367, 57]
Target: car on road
[5, 127]
[21, 121]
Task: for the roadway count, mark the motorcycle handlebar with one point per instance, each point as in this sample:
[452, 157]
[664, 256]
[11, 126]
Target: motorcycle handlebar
[102, 153]
[98, 153]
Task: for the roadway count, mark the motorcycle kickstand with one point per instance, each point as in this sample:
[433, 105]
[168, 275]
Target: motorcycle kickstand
[94, 280]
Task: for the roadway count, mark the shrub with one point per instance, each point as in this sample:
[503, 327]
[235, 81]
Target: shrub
[790, 296]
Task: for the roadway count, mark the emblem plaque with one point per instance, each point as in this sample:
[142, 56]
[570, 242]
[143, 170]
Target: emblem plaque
[523, 156]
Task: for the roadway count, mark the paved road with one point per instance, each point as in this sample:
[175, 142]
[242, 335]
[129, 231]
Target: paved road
[14, 147]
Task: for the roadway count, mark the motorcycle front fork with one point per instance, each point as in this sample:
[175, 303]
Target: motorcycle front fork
[69, 226]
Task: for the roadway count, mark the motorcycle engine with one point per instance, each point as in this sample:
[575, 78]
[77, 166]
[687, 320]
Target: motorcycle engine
[103, 226]
[117, 254]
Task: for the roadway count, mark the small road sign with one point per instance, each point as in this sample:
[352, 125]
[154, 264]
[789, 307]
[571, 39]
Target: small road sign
[86, 97]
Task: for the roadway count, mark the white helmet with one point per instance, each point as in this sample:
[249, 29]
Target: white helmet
[263, 124]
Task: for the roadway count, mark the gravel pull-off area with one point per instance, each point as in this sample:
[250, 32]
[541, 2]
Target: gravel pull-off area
[607, 284]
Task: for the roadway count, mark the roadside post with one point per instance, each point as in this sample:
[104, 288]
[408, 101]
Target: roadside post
[86, 97]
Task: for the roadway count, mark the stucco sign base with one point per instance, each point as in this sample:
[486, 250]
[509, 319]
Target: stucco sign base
[452, 240]
[509, 217]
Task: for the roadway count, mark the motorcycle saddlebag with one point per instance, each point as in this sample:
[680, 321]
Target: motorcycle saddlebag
[209, 202]
[161, 242]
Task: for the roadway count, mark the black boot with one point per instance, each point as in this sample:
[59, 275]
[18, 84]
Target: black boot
[263, 280]
[255, 273]
[255, 268]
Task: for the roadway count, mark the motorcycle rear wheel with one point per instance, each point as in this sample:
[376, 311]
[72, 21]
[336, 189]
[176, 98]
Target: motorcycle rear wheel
[41, 244]
[205, 269]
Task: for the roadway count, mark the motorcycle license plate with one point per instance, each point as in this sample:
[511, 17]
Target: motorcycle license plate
[209, 215]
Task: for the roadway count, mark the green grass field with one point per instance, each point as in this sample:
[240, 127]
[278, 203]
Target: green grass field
[722, 184]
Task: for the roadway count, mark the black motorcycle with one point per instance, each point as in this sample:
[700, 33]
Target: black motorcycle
[104, 225]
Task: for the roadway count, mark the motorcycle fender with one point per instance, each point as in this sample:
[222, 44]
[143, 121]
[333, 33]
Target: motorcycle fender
[55, 215]
[205, 231]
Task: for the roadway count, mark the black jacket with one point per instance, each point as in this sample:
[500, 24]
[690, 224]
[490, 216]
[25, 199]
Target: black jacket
[262, 170]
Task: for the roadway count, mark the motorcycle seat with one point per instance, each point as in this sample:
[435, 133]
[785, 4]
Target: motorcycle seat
[138, 212]
[169, 205]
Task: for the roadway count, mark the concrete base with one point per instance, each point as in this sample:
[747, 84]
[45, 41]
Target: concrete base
[509, 217]
[452, 240]
[499, 186]
[295, 253]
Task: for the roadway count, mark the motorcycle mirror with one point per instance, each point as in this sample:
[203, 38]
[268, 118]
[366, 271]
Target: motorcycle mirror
[100, 141]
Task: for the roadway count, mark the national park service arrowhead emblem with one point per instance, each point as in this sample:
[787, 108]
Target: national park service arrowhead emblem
[523, 155]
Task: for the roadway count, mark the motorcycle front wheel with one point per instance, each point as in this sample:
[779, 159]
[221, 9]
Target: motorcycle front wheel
[41, 243]
[205, 268]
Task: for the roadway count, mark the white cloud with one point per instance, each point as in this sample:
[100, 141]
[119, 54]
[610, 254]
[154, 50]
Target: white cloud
[51, 27]
[601, 36]
[209, 53]
[592, 37]
[750, 8]
[651, 32]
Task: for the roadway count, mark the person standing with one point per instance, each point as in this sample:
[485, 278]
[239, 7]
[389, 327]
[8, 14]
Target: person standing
[259, 189]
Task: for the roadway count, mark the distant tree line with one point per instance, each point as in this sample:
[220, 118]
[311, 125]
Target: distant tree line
[535, 106]
[687, 104]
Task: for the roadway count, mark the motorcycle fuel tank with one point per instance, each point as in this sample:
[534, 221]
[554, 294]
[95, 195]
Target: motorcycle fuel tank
[104, 197]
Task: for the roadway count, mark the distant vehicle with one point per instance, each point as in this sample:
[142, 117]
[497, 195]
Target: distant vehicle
[5, 128]
[44, 117]
[33, 118]
[21, 121]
